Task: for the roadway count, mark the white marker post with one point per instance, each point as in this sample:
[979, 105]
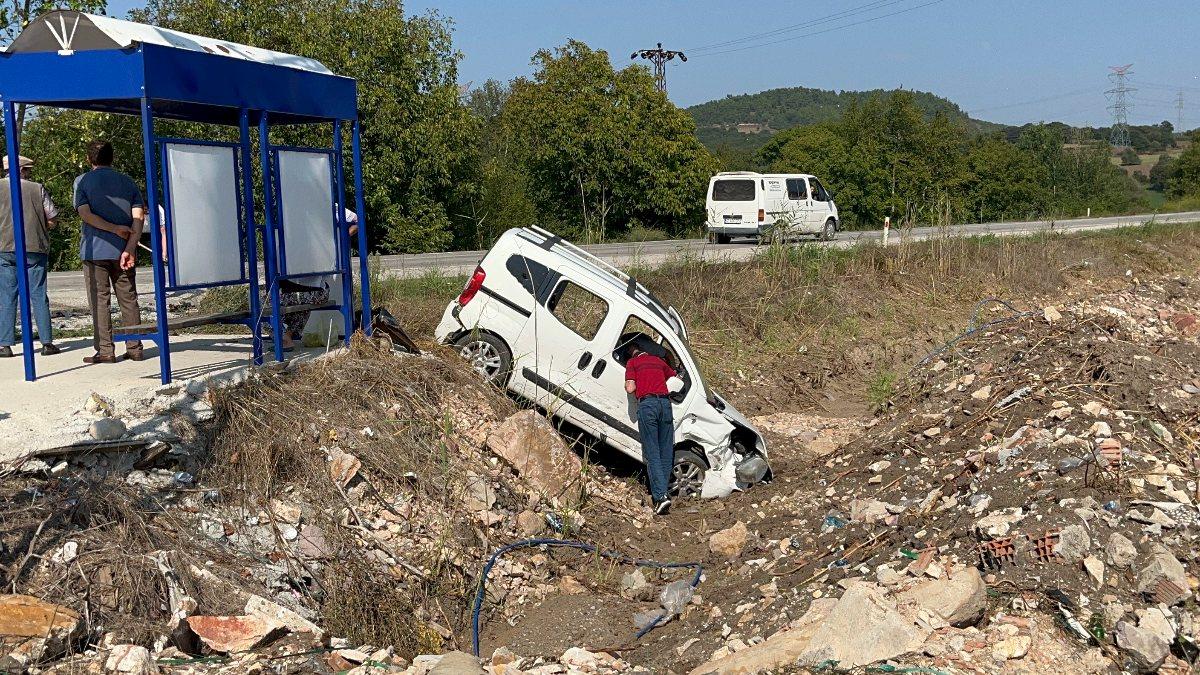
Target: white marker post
[887, 225]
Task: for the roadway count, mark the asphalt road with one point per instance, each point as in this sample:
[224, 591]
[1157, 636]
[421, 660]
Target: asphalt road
[66, 288]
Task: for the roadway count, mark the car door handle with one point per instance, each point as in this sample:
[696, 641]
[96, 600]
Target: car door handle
[584, 360]
[598, 368]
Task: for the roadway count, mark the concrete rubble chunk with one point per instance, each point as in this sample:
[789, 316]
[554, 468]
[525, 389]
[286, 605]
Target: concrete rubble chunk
[1146, 650]
[1163, 569]
[634, 586]
[1073, 543]
[1120, 551]
[107, 429]
[32, 630]
[530, 523]
[528, 442]
[729, 542]
[133, 659]
[960, 600]
[862, 627]
[1014, 647]
[263, 608]
[229, 634]
[457, 663]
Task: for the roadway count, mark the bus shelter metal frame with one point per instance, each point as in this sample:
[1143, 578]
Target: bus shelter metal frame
[163, 82]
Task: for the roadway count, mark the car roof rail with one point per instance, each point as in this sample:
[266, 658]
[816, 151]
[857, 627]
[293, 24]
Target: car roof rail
[589, 257]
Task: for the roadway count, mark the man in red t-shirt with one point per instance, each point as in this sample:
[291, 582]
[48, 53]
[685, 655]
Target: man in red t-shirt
[646, 378]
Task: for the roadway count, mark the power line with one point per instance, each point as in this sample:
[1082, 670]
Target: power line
[820, 32]
[1069, 94]
[659, 57]
[878, 4]
[1121, 105]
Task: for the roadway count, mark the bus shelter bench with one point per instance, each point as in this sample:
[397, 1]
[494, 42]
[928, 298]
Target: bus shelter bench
[181, 322]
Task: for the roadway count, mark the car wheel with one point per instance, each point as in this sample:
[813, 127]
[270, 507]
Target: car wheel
[829, 232]
[488, 356]
[722, 239]
[687, 475]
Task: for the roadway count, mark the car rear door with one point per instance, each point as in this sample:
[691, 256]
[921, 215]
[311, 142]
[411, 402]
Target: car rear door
[734, 202]
[565, 355]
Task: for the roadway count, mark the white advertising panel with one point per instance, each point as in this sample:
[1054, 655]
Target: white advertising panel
[306, 199]
[205, 232]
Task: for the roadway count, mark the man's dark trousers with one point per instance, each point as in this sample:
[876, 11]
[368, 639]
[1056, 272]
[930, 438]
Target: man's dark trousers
[657, 429]
[99, 277]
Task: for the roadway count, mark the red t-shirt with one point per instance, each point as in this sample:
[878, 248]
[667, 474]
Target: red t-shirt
[649, 374]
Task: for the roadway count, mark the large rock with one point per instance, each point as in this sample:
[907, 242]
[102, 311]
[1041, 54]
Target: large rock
[528, 442]
[1162, 572]
[730, 541]
[32, 630]
[863, 627]
[781, 649]
[229, 634]
[960, 600]
[1146, 649]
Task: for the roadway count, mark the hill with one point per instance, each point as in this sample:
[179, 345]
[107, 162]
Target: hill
[747, 121]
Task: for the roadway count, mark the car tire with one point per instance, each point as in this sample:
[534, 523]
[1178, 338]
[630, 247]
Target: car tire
[722, 239]
[687, 474]
[487, 354]
[829, 231]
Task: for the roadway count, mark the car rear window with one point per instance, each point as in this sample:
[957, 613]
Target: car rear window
[733, 191]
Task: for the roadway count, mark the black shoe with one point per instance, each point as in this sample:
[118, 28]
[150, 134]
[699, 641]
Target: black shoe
[6, 352]
[50, 349]
[662, 508]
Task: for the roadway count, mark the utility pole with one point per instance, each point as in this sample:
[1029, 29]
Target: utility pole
[1121, 104]
[659, 57]
[1179, 112]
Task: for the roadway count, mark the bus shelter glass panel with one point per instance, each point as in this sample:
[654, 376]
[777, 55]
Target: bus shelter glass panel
[305, 180]
[206, 244]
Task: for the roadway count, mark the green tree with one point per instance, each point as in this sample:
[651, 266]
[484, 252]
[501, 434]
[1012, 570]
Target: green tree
[417, 138]
[1184, 180]
[1129, 157]
[603, 149]
[1161, 172]
[1004, 182]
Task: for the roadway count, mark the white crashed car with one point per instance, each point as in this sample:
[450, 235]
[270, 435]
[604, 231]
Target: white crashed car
[551, 323]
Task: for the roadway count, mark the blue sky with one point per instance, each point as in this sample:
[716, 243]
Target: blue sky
[1008, 61]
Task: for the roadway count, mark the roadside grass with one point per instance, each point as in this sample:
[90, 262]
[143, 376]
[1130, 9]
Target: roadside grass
[798, 327]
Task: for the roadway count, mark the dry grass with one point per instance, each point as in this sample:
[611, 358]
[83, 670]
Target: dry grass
[796, 325]
[416, 424]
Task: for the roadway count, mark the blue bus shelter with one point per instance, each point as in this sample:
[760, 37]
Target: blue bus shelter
[206, 188]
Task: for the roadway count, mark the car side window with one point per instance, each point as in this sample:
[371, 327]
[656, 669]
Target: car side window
[818, 191]
[578, 309]
[797, 190]
[533, 276]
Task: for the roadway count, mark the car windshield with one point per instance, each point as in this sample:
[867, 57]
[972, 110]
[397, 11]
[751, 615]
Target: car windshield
[741, 190]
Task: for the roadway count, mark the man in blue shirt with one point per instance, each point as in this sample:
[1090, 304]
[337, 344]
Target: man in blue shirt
[111, 207]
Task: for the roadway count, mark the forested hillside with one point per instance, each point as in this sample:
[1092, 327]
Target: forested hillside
[779, 109]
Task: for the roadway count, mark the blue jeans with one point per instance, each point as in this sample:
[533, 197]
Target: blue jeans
[39, 302]
[657, 429]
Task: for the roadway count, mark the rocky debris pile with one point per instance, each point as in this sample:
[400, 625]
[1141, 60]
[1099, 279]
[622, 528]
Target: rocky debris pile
[334, 514]
[1055, 452]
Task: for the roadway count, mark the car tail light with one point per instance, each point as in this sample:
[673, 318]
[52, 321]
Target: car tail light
[762, 215]
[472, 287]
